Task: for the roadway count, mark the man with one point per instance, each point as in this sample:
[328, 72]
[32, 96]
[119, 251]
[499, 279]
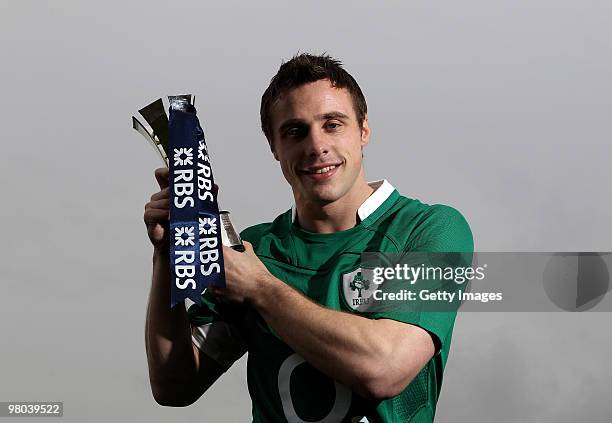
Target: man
[312, 355]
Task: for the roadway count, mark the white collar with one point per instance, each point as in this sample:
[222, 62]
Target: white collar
[382, 191]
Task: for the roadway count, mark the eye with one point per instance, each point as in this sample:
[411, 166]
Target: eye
[295, 132]
[333, 125]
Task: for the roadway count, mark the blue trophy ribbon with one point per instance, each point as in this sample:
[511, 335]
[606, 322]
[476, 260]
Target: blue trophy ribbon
[196, 253]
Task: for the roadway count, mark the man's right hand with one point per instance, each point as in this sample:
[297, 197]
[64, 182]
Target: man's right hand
[157, 211]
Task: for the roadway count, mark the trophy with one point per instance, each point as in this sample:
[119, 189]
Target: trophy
[155, 131]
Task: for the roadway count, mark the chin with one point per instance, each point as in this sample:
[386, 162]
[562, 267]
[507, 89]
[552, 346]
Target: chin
[325, 194]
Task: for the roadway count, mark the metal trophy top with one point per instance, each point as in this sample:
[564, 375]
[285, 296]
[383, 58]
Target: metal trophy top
[156, 133]
[156, 130]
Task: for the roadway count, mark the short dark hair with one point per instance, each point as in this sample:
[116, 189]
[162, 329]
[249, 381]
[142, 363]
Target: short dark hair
[303, 69]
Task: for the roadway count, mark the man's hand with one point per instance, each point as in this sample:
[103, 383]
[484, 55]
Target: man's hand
[244, 276]
[157, 211]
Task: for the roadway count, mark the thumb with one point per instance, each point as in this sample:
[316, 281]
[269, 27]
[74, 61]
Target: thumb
[156, 232]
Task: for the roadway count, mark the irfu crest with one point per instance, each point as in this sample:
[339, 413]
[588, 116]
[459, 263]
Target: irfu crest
[358, 283]
[358, 288]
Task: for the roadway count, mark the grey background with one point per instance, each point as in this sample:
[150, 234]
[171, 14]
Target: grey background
[500, 109]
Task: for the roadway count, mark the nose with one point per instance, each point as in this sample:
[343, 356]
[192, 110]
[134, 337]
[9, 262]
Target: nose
[317, 143]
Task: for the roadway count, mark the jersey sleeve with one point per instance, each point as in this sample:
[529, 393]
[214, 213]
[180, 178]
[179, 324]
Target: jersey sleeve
[442, 229]
[216, 330]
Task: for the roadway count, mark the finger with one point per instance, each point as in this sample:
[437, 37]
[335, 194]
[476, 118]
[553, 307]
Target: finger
[153, 216]
[164, 193]
[158, 204]
[228, 251]
[161, 174]
[248, 246]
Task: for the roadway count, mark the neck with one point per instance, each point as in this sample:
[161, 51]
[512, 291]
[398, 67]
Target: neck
[335, 216]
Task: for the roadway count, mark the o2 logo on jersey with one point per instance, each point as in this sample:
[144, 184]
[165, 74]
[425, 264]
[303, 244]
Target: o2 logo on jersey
[358, 289]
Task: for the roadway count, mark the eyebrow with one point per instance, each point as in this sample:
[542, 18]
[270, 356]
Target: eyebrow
[331, 115]
[324, 116]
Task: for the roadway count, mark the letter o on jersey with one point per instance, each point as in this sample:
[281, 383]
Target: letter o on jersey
[342, 404]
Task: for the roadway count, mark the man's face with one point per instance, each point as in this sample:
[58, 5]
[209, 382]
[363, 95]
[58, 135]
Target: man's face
[318, 141]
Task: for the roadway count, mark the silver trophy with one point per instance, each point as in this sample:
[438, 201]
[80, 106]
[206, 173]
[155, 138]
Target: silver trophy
[155, 132]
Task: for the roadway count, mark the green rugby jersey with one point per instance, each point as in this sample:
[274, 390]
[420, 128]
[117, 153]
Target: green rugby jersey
[285, 388]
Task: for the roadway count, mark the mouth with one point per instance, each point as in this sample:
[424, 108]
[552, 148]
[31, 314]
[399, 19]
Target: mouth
[322, 171]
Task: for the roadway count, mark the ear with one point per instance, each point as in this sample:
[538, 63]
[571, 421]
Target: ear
[365, 131]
